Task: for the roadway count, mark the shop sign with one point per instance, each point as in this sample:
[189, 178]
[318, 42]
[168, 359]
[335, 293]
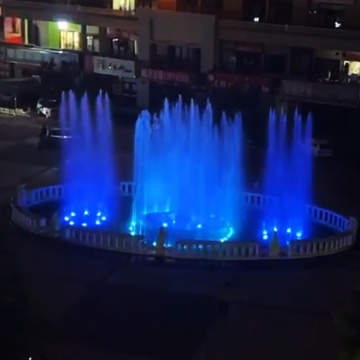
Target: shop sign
[224, 80]
[168, 76]
[12, 30]
[14, 112]
[114, 67]
[336, 94]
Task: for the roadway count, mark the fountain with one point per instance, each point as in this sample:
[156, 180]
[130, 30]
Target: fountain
[188, 174]
[187, 197]
[87, 162]
[288, 176]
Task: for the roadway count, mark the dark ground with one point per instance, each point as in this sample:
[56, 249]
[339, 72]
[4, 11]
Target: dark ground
[77, 303]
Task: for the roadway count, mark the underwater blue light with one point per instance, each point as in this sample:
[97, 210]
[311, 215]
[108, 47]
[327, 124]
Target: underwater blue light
[265, 237]
[71, 223]
[288, 173]
[186, 184]
[265, 232]
[66, 218]
[103, 218]
[88, 162]
[154, 243]
[132, 233]
[275, 229]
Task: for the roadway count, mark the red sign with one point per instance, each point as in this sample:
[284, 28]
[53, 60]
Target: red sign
[161, 75]
[12, 30]
[223, 80]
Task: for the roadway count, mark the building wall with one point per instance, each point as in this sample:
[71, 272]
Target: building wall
[177, 28]
[173, 28]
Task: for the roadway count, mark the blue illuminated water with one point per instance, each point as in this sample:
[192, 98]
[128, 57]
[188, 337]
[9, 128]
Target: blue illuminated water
[288, 176]
[88, 163]
[188, 174]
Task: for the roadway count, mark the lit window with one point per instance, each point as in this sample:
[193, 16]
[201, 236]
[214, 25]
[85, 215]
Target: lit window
[69, 40]
[337, 24]
[256, 19]
[124, 5]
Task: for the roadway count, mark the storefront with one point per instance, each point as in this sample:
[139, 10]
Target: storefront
[39, 56]
[117, 76]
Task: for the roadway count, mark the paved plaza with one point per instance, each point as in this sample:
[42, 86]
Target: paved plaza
[74, 303]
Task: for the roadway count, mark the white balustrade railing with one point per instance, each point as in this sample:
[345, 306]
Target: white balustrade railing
[106, 240]
[345, 236]
[28, 220]
[216, 250]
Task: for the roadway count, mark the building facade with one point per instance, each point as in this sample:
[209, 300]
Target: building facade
[297, 49]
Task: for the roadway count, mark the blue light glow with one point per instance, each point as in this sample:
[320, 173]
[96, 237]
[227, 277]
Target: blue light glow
[288, 174]
[87, 160]
[185, 169]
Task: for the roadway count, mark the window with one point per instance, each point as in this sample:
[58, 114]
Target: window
[122, 47]
[69, 40]
[92, 43]
[301, 61]
[123, 5]
[194, 58]
[174, 52]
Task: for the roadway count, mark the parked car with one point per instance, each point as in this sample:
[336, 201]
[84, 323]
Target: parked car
[53, 138]
[47, 107]
[321, 148]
